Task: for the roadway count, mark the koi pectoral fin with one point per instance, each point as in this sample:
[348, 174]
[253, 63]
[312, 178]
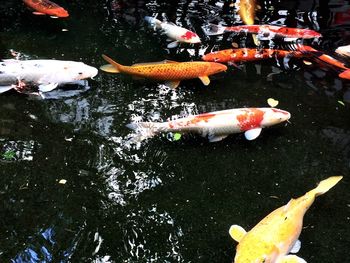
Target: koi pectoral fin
[205, 80]
[216, 138]
[291, 259]
[173, 44]
[172, 84]
[252, 134]
[5, 88]
[237, 232]
[109, 68]
[296, 247]
[38, 14]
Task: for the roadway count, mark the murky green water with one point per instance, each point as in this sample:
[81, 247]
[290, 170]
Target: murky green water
[165, 201]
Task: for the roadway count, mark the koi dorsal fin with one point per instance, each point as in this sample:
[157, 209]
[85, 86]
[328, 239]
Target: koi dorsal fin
[237, 232]
[155, 63]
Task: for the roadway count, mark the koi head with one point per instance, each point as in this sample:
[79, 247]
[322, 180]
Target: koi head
[73, 71]
[273, 116]
[216, 68]
[57, 12]
[190, 37]
[220, 56]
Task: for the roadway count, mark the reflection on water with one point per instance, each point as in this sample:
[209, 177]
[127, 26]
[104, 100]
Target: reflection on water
[163, 201]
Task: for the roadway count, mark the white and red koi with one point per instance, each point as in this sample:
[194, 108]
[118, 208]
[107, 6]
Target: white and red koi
[217, 125]
[263, 31]
[275, 236]
[174, 32]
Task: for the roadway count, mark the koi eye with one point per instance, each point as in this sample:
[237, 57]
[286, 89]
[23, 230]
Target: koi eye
[80, 73]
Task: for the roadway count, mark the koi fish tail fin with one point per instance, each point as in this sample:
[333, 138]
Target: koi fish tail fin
[144, 130]
[345, 74]
[325, 185]
[154, 22]
[112, 67]
[213, 30]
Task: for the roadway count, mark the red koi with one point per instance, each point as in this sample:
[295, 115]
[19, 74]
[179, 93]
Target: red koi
[248, 54]
[46, 7]
[269, 31]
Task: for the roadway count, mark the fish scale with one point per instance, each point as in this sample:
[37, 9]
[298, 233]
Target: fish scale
[170, 71]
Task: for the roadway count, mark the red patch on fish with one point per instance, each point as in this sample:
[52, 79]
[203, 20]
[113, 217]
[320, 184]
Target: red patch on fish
[250, 119]
[205, 117]
[188, 35]
[202, 117]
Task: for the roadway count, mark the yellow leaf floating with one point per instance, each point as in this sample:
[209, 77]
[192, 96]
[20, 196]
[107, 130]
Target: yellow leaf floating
[272, 102]
[341, 103]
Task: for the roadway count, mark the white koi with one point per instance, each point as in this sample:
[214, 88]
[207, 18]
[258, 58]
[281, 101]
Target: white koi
[216, 125]
[174, 32]
[46, 74]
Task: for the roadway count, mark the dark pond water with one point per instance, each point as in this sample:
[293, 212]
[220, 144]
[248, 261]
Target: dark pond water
[165, 201]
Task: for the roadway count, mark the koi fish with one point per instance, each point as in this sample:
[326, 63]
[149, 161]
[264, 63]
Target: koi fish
[216, 125]
[275, 236]
[247, 11]
[343, 50]
[174, 32]
[345, 74]
[46, 7]
[248, 54]
[263, 31]
[171, 71]
[46, 74]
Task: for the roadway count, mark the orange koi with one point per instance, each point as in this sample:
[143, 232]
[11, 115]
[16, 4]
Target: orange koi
[171, 71]
[264, 31]
[46, 7]
[248, 54]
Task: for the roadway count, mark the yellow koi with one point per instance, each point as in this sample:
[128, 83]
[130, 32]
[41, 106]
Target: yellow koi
[274, 237]
[171, 71]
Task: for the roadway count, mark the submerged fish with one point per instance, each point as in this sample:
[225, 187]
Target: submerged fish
[46, 74]
[174, 32]
[217, 125]
[247, 11]
[274, 237]
[345, 71]
[248, 54]
[263, 31]
[171, 71]
[46, 7]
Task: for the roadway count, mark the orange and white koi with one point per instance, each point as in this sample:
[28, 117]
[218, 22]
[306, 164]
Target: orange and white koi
[174, 32]
[46, 7]
[263, 31]
[275, 236]
[247, 11]
[171, 71]
[216, 125]
[248, 54]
